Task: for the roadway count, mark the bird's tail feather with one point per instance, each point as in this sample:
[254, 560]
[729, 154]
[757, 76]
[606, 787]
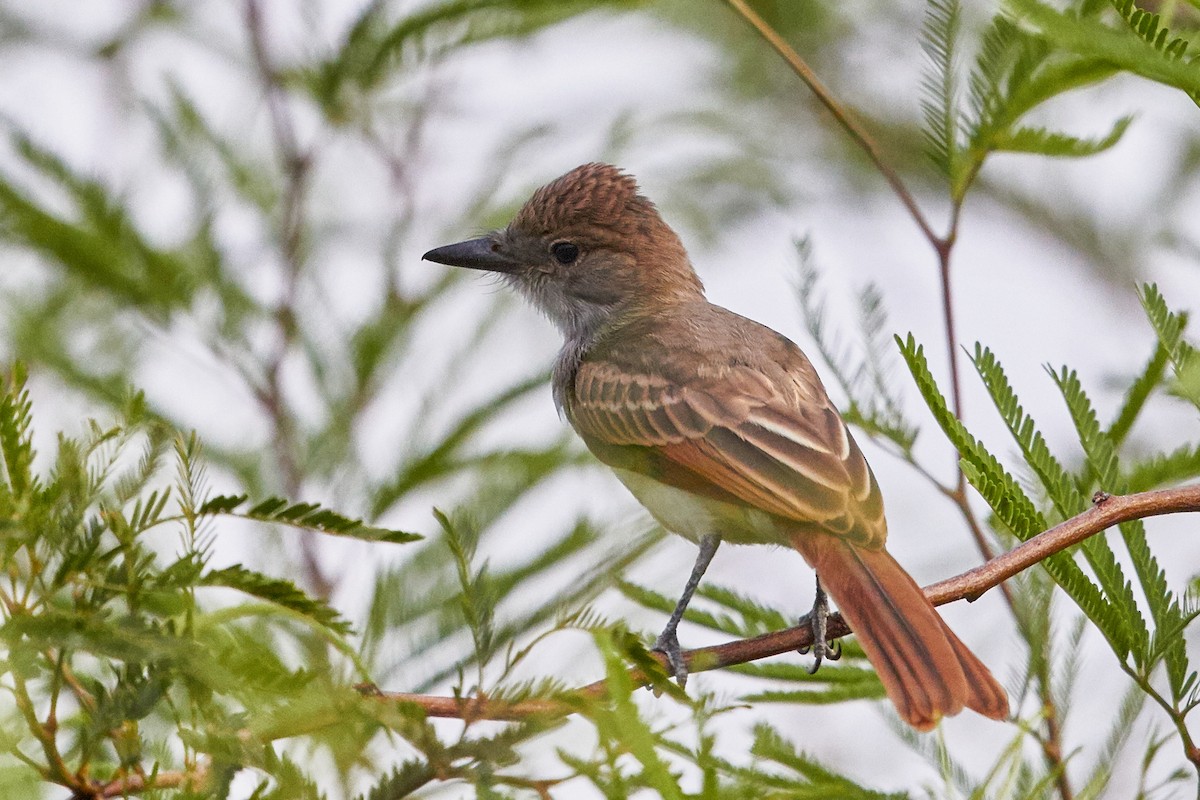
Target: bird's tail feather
[926, 670]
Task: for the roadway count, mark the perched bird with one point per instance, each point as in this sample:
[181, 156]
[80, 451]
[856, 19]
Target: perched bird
[719, 426]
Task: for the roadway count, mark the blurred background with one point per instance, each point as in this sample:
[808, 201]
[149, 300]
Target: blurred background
[225, 204]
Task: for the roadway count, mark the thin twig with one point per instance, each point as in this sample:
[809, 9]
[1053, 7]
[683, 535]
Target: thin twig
[295, 164]
[56, 766]
[970, 585]
[843, 118]
[137, 784]
[943, 247]
[1190, 751]
[1052, 746]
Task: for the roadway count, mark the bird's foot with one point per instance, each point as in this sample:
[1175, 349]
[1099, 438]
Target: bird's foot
[667, 643]
[823, 648]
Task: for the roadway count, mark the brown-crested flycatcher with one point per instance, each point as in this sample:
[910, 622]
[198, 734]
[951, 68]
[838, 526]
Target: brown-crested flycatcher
[719, 426]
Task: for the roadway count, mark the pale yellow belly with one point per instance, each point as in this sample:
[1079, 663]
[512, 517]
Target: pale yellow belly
[693, 516]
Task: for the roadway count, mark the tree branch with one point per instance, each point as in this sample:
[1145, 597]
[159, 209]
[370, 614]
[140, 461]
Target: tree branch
[138, 783]
[856, 131]
[1108, 510]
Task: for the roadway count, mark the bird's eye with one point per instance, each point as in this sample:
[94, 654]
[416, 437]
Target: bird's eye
[564, 252]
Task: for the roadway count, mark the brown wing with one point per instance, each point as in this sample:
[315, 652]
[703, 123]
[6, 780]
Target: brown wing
[733, 435]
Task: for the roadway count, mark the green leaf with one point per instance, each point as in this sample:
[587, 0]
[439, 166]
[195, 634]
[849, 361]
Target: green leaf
[1147, 25]
[816, 781]
[374, 47]
[1169, 326]
[1053, 143]
[16, 438]
[1102, 459]
[477, 596]
[1146, 51]
[1000, 489]
[310, 516]
[1139, 391]
[837, 693]
[619, 722]
[939, 94]
[867, 379]
[222, 504]
[102, 247]
[128, 640]
[279, 591]
[1169, 618]
[718, 622]
[1015, 72]
[1009, 502]
[444, 458]
[1123, 726]
[1060, 487]
[182, 125]
[1164, 469]
[403, 781]
[1168, 643]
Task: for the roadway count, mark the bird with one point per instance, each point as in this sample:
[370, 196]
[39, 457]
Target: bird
[719, 426]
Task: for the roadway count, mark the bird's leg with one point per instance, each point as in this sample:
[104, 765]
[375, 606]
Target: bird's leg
[822, 647]
[668, 642]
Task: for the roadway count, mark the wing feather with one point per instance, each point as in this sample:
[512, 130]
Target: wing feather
[815, 464]
[791, 459]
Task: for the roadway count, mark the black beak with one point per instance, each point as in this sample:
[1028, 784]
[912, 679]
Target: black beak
[483, 253]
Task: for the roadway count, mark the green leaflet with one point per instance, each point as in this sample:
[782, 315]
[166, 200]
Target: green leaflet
[1010, 503]
[310, 516]
[279, 591]
[1185, 361]
[939, 89]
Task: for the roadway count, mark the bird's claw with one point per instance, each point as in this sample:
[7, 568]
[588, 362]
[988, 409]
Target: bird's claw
[668, 645]
[823, 648]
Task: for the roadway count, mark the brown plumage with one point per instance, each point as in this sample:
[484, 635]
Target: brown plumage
[718, 425]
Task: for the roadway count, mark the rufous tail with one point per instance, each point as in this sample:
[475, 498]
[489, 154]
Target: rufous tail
[926, 670]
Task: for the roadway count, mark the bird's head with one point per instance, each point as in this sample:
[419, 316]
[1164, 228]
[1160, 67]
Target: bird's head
[586, 249]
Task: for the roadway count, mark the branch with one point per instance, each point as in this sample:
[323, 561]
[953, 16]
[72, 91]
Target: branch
[296, 165]
[138, 784]
[856, 131]
[1108, 510]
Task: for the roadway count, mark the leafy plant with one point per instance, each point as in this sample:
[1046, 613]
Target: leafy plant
[335, 656]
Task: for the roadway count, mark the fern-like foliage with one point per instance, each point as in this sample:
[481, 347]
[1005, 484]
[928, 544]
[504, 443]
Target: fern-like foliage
[281, 592]
[939, 93]
[310, 516]
[477, 596]
[16, 444]
[1139, 391]
[1148, 26]
[1055, 143]
[1058, 484]
[865, 375]
[803, 775]
[1141, 47]
[998, 487]
[1142, 645]
[1013, 506]
[376, 45]
[1014, 73]
[99, 241]
[1163, 469]
[1169, 325]
[102, 625]
[1102, 460]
